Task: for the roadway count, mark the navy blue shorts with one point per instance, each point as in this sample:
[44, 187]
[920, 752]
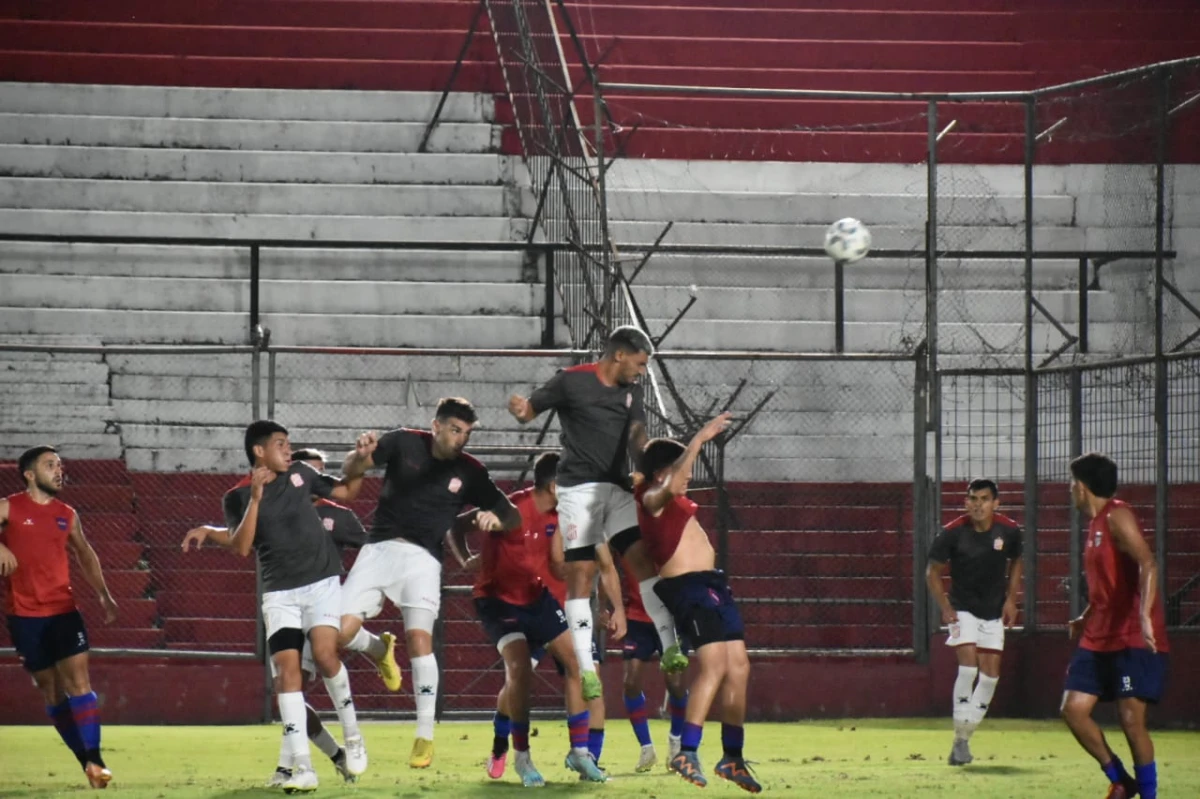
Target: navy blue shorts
[1124, 674]
[42, 641]
[641, 641]
[703, 607]
[540, 623]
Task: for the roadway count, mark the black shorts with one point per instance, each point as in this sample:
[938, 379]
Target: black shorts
[641, 641]
[539, 623]
[1126, 673]
[42, 641]
[703, 607]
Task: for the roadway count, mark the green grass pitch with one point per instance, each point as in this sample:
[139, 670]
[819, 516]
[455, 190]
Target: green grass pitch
[849, 758]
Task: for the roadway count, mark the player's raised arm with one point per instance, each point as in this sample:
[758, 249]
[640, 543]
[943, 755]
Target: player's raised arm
[206, 532]
[362, 457]
[1128, 538]
[90, 566]
[243, 535]
[680, 472]
[550, 395]
[8, 561]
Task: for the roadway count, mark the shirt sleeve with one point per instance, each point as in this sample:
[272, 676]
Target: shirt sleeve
[552, 395]
[943, 547]
[387, 448]
[483, 491]
[637, 408]
[319, 483]
[234, 510]
[347, 529]
[1015, 544]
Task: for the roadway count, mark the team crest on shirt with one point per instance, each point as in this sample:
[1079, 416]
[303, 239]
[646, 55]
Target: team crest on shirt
[550, 530]
[297, 480]
[328, 522]
[455, 485]
[628, 399]
[61, 522]
[1096, 542]
[998, 544]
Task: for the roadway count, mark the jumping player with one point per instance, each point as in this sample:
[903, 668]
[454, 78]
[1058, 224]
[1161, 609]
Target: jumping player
[603, 418]
[427, 482]
[699, 597]
[271, 513]
[983, 551]
[1122, 652]
[36, 530]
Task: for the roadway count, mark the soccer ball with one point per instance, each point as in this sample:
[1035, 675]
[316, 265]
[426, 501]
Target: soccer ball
[847, 240]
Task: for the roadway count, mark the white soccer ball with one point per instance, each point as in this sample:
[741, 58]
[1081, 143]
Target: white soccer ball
[847, 240]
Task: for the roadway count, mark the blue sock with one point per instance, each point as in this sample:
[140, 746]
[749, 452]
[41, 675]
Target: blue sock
[86, 713]
[635, 706]
[691, 737]
[520, 733]
[596, 743]
[64, 722]
[1147, 780]
[502, 726]
[678, 713]
[1115, 771]
[733, 736]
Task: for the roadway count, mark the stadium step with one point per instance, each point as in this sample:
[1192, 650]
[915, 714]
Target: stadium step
[184, 604]
[107, 526]
[894, 636]
[820, 542]
[101, 498]
[132, 613]
[124, 583]
[119, 554]
[865, 588]
[214, 582]
[170, 558]
[819, 611]
[759, 563]
[209, 631]
[106, 637]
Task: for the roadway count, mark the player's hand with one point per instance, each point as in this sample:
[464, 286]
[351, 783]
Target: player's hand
[1075, 628]
[519, 407]
[1148, 633]
[197, 535]
[604, 617]
[109, 605]
[949, 616]
[488, 522]
[714, 427]
[1009, 616]
[617, 625]
[365, 444]
[472, 564]
[259, 478]
[8, 561]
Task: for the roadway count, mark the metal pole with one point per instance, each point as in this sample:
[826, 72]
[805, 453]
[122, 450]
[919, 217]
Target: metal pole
[1083, 304]
[610, 285]
[1161, 400]
[921, 523]
[254, 293]
[549, 302]
[839, 305]
[255, 388]
[934, 403]
[271, 385]
[1031, 384]
[1075, 546]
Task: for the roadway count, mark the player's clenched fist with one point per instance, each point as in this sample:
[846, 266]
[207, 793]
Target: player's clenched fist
[366, 443]
[520, 408]
[259, 478]
[8, 561]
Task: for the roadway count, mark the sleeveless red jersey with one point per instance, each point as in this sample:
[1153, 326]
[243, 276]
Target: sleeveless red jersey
[635, 609]
[662, 533]
[1113, 623]
[514, 561]
[37, 535]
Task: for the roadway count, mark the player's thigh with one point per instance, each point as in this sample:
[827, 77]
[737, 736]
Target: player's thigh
[499, 621]
[362, 592]
[417, 583]
[1139, 674]
[321, 619]
[562, 649]
[73, 674]
[543, 621]
[1131, 712]
[581, 515]
[518, 666]
[32, 638]
[620, 516]
[965, 632]
[1085, 683]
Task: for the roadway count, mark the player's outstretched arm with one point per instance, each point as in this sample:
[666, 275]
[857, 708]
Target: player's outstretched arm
[361, 458]
[1128, 538]
[680, 472]
[464, 523]
[205, 532]
[8, 561]
[89, 564]
[242, 540]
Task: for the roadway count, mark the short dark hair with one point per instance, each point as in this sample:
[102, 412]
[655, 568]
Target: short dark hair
[982, 484]
[628, 338]
[1097, 472]
[659, 454]
[309, 454]
[257, 434]
[456, 408]
[29, 457]
[545, 469]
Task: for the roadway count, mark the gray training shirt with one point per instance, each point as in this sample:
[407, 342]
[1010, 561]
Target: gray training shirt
[595, 424]
[292, 545]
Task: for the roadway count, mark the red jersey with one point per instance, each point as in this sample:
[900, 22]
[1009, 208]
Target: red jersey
[1114, 621]
[635, 610]
[514, 561]
[662, 533]
[557, 587]
[37, 535]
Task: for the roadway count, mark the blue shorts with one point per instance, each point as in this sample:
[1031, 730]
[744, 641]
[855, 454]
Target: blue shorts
[539, 623]
[1124, 674]
[703, 607]
[42, 641]
[539, 655]
[641, 641]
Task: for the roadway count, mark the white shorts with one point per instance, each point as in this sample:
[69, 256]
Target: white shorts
[983, 633]
[400, 570]
[318, 604]
[592, 513]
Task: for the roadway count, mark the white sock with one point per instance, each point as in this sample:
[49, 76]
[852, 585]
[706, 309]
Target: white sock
[980, 699]
[579, 619]
[963, 685]
[425, 685]
[368, 643]
[295, 726]
[285, 756]
[664, 622]
[338, 687]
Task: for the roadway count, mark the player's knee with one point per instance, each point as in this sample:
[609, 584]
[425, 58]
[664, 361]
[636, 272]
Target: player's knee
[1131, 720]
[350, 626]
[418, 643]
[633, 686]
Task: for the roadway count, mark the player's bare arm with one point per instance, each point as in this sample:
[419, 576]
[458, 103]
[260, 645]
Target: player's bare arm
[610, 581]
[205, 532]
[1075, 625]
[89, 565]
[637, 438]
[1128, 538]
[680, 472]
[464, 523]
[361, 458]
[934, 573]
[8, 561]
[558, 559]
[1011, 611]
[521, 408]
[243, 537]
[506, 515]
[347, 489]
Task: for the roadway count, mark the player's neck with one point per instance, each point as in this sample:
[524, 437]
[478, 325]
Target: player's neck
[1095, 505]
[39, 496]
[983, 526]
[606, 371]
[544, 501]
